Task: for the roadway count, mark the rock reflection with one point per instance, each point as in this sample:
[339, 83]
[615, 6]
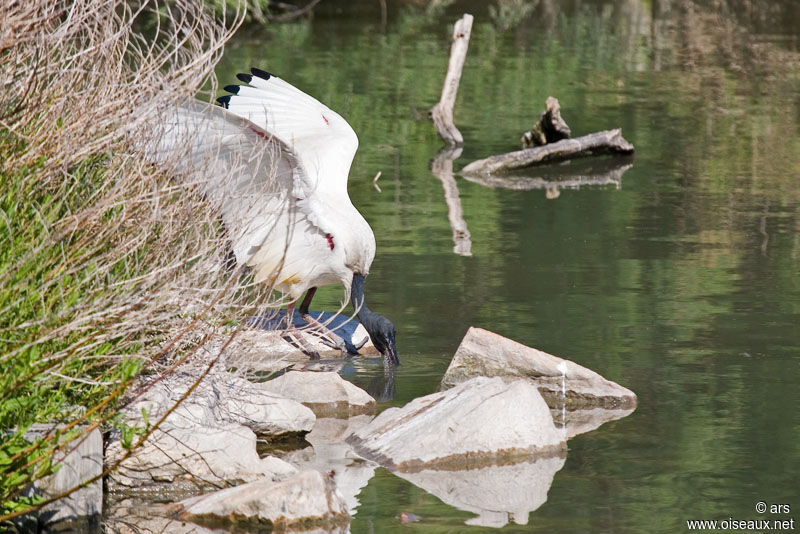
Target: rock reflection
[497, 494]
[586, 420]
[330, 454]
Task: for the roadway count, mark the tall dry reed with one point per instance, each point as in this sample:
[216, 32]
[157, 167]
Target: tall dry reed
[107, 264]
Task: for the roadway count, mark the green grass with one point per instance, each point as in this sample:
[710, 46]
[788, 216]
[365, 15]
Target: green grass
[59, 366]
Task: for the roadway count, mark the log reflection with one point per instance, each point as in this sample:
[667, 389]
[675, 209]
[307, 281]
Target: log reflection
[555, 178]
[442, 168]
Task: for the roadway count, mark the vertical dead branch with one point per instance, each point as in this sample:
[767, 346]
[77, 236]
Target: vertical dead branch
[442, 113]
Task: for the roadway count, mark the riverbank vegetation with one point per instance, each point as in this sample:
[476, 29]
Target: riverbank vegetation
[100, 254]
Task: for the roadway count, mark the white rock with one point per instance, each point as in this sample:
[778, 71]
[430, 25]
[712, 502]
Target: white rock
[223, 397]
[307, 498]
[484, 353]
[83, 462]
[479, 422]
[210, 438]
[192, 457]
[327, 394]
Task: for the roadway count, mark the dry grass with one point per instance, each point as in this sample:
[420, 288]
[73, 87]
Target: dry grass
[103, 258]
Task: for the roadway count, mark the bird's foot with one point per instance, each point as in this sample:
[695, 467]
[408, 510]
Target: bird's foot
[296, 339]
[330, 338]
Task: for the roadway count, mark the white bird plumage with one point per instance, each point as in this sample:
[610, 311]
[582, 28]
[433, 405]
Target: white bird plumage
[275, 162]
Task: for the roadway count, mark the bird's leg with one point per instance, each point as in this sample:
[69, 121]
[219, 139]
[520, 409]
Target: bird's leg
[290, 316]
[307, 301]
[294, 337]
[326, 335]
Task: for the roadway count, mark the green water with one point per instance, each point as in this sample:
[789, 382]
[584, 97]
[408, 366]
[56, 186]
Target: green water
[681, 283]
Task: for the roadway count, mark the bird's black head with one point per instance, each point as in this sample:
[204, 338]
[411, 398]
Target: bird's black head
[382, 333]
[380, 329]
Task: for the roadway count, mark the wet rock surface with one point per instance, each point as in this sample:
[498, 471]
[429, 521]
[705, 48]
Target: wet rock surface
[326, 393]
[307, 499]
[483, 421]
[484, 353]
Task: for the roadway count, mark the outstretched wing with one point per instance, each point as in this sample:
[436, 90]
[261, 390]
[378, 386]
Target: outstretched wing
[248, 175]
[322, 140]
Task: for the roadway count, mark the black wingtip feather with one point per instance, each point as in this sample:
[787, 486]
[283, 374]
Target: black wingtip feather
[244, 77]
[224, 101]
[261, 73]
[233, 89]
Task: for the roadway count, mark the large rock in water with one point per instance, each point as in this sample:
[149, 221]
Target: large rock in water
[306, 499]
[483, 421]
[326, 393]
[484, 353]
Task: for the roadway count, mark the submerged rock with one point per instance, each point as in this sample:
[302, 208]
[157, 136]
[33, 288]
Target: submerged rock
[305, 499]
[209, 439]
[484, 421]
[484, 353]
[326, 393]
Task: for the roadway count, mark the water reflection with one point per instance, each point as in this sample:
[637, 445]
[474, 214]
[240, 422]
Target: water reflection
[555, 178]
[330, 454]
[496, 494]
[664, 284]
[442, 168]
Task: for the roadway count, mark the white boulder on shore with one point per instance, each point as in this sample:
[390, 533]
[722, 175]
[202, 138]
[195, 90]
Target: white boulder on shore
[253, 350]
[480, 422]
[209, 439]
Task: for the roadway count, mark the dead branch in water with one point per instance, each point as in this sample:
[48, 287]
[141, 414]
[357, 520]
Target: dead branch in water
[442, 113]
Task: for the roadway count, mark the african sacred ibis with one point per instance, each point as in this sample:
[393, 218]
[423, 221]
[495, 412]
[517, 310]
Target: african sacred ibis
[286, 158]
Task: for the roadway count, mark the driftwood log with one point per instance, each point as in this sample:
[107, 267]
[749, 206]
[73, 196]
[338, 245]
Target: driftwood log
[442, 113]
[605, 142]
